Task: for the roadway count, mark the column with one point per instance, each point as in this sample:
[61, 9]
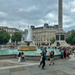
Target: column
[60, 14]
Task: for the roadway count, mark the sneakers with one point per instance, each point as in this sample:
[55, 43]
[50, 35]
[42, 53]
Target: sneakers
[50, 64]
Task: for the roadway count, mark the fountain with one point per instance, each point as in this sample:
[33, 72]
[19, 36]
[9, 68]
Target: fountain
[10, 44]
[28, 43]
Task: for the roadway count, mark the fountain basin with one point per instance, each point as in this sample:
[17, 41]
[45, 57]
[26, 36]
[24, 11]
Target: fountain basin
[29, 55]
[27, 48]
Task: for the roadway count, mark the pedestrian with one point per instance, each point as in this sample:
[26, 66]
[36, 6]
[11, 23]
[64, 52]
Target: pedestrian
[64, 53]
[45, 54]
[74, 53]
[61, 53]
[43, 61]
[70, 51]
[19, 57]
[22, 57]
[67, 53]
[40, 59]
[53, 55]
[51, 58]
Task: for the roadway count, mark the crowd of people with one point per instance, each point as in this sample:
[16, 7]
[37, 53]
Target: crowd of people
[64, 53]
[21, 57]
[43, 57]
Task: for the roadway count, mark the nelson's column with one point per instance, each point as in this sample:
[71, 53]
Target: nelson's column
[60, 34]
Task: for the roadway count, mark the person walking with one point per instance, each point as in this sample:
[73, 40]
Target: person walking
[51, 58]
[40, 59]
[43, 61]
[45, 54]
[53, 55]
[19, 57]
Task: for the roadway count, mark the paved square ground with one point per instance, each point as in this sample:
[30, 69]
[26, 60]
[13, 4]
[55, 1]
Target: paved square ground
[61, 67]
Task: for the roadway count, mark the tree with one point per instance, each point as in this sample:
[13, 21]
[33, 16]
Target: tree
[74, 40]
[16, 37]
[4, 37]
[52, 40]
[71, 38]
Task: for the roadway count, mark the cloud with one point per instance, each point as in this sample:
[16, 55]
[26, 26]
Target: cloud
[4, 23]
[3, 14]
[49, 15]
[66, 19]
[21, 24]
[15, 13]
[68, 15]
[29, 9]
[73, 10]
[67, 26]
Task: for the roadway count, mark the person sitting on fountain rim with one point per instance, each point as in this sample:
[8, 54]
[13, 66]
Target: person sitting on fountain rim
[22, 57]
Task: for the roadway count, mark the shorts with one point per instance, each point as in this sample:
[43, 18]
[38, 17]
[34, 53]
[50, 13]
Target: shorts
[51, 59]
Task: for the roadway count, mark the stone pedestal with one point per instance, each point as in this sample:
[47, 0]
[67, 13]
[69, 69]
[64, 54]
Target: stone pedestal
[60, 44]
[60, 40]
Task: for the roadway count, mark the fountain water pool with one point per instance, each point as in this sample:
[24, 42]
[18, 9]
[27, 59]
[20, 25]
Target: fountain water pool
[37, 52]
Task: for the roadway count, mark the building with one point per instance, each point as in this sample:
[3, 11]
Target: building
[44, 35]
[9, 30]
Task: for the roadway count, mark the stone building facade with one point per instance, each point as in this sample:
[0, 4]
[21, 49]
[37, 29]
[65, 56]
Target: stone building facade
[44, 35]
[9, 30]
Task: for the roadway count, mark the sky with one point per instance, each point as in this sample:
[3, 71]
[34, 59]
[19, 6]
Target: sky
[22, 13]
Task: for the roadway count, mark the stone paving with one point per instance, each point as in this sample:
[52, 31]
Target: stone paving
[61, 67]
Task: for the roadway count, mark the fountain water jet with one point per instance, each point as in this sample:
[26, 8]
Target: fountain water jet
[28, 42]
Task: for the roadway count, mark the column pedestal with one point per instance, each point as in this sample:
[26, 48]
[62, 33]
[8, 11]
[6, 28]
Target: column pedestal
[60, 40]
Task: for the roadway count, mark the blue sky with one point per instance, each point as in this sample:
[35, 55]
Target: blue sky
[21, 13]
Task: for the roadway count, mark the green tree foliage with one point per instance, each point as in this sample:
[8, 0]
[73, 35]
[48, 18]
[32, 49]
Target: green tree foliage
[16, 37]
[52, 40]
[71, 38]
[4, 37]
